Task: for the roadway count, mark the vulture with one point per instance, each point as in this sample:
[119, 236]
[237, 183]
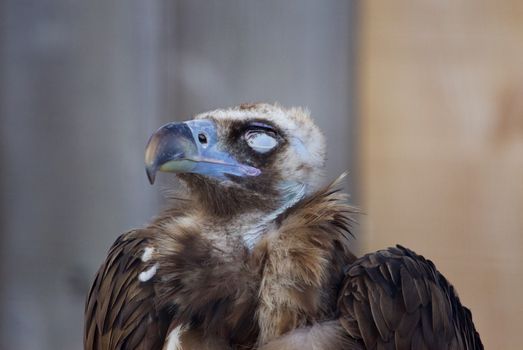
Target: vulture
[254, 252]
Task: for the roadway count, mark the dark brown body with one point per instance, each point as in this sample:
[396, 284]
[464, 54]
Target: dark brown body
[299, 288]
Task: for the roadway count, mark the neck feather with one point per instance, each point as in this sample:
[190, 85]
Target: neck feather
[291, 194]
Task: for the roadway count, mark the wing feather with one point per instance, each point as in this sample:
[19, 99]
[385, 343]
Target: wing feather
[395, 298]
[120, 312]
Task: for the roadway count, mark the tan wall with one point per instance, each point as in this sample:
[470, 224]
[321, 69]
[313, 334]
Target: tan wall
[441, 110]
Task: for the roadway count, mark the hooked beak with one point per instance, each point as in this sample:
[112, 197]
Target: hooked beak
[191, 147]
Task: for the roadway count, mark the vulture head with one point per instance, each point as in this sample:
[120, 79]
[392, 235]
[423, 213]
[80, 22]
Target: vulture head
[251, 157]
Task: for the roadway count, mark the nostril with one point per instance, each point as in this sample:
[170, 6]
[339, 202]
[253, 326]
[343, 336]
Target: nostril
[202, 138]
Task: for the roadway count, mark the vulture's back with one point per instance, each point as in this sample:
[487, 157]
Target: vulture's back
[396, 299]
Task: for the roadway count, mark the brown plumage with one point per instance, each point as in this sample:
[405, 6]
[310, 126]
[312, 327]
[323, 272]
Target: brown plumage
[120, 311]
[257, 256]
[395, 299]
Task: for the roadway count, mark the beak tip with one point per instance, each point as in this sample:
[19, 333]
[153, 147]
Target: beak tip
[151, 175]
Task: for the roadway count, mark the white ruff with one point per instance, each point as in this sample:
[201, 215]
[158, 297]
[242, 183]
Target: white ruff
[173, 339]
[292, 193]
[148, 274]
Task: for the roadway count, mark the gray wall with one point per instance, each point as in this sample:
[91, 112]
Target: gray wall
[83, 84]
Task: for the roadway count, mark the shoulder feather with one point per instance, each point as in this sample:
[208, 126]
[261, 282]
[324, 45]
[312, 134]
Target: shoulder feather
[396, 299]
[120, 311]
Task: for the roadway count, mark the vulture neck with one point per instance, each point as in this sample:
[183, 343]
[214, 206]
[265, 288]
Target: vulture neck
[251, 220]
[291, 194]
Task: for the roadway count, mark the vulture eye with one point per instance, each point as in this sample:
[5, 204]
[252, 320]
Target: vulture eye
[202, 138]
[260, 141]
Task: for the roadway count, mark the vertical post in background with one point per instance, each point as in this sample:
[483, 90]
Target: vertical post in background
[442, 145]
[79, 96]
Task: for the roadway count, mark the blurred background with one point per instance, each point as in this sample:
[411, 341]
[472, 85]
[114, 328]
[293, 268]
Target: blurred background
[421, 100]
